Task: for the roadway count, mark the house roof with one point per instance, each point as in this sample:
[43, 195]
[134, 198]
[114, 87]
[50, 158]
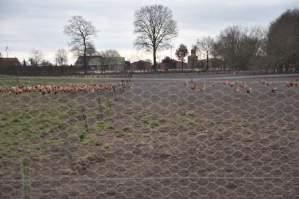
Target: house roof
[141, 62]
[10, 61]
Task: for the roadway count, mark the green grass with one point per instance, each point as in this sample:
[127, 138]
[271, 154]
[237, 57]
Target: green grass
[103, 125]
[19, 128]
[9, 81]
[82, 137]
[186, 119]
[30, 124]
[150, 122]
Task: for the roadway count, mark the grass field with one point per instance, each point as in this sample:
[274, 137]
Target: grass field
[154, 139]
[9, 81]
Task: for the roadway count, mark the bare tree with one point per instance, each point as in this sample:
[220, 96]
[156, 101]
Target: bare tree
[155, 29]
[79, 51]
[181, 53]
[36, 57]
[228, 45]
[237, 46]
[61, 57]
[205, 45]
[109, 53]
[169, 63]
[91, 49]
[81, 32]
[283, 40]
[46, 63]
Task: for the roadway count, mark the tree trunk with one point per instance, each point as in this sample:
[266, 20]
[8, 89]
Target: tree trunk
[84, 58]
[154, 59]
[182, 65]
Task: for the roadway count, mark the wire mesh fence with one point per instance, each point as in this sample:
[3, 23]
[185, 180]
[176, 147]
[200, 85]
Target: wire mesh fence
[150, 139]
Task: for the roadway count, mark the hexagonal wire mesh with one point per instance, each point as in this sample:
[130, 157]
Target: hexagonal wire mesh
[151, 138]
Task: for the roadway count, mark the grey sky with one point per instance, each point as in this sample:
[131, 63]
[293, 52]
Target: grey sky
[38, 24]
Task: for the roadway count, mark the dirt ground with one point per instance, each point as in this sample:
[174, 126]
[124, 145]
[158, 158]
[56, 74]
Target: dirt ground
[154, 139]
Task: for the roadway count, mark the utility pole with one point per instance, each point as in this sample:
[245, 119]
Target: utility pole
[6, 49]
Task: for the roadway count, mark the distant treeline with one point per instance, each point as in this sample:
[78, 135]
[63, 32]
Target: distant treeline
[275, 49]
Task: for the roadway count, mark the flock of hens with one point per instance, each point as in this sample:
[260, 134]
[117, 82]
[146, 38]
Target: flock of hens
[238, 86]
[69, 88]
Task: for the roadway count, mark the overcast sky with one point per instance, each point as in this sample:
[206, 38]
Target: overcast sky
[39, 24]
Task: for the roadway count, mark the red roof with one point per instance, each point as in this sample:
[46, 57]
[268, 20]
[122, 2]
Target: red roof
[9, 61]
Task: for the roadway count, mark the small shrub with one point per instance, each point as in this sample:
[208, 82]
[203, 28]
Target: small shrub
[102, 125]
[82, 137]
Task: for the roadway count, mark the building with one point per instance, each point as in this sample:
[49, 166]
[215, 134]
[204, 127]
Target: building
[8, 62]
[168, 64]
[194, 62]
[102, 63]
[193, 59]
[214, 64]
[9, 65]
[141, 66]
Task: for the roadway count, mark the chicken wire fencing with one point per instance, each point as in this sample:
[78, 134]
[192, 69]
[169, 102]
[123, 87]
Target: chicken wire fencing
[151, 139]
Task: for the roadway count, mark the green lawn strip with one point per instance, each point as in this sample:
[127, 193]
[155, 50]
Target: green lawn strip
[150, 122]
[9, 82]
[186, 119]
